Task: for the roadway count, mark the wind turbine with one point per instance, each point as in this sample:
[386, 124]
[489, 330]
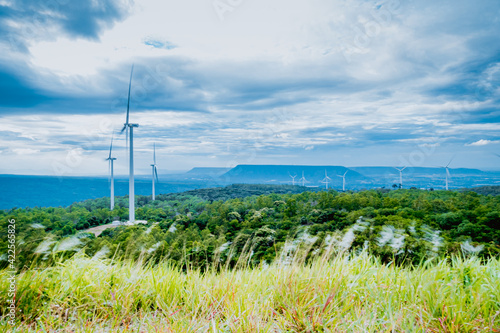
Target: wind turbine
[303, 179]
[155, 170]
[130, 136]
[293, 178]
[400, 176]
[343, 180]
[326, 179]
[447, 173]
[111, 174]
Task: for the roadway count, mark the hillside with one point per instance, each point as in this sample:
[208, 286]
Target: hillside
[239, 191]
[204, 220]
[483, 190]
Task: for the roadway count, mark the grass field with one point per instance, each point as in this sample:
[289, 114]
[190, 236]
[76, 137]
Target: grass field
[342, 294]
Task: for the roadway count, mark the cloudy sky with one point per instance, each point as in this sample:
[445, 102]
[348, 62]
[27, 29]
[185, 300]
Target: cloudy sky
[226, 82]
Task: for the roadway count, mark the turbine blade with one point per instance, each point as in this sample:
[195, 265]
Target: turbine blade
[111, 146]
[154, 153]
[129, 88]
[451, 160]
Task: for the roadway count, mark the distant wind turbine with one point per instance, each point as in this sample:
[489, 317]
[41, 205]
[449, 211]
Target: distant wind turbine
[303, 179]
[326, 180]
[111, 174]
[343, 180]
[130, 136]
[400, 176]
[293, 178]
[155, 170]
[447, 173]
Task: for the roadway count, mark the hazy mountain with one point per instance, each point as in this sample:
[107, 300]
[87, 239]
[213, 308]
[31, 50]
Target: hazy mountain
[279, 174]
[206, 171]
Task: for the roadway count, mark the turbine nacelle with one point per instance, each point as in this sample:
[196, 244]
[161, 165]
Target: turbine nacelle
[128, 125]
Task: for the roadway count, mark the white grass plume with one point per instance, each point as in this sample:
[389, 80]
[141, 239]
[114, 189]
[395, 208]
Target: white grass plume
[468, 248]
[68, 244]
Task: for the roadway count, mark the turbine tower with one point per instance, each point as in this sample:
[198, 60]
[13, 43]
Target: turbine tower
[130, 137]
[111, 174]
[326, 180]
[343, 180]
[293, 178]
[303, 179]
[155, 170]
[400, 176]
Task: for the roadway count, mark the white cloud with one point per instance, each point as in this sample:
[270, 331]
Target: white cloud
[482, 142]
[25, 151]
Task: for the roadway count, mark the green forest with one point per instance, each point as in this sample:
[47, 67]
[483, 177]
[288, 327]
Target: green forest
[258, 222]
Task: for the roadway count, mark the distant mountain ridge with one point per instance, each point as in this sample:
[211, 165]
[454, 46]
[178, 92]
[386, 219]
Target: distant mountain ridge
[282, 174]
[359, 177]
[207, 171]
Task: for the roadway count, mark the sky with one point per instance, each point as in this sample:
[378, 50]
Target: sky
[218, 83]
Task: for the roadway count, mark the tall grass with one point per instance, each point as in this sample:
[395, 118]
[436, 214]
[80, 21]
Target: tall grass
[341, 294]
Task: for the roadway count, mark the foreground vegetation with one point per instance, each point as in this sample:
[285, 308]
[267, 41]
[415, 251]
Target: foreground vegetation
[333, 293]
[195, 228]
[254, 258]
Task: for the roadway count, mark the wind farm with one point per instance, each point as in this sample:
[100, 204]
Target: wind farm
[249, 166]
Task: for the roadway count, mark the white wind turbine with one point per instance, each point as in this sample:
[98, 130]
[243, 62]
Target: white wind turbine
[155, 170]
[326, 180]
[130, 136]
[293, 178]
[400, 176]
[303, 179]
[111, 175]
[343, 179]
[447, 174]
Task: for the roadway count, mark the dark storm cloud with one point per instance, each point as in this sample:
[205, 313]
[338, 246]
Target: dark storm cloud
[47, 19]
[18, 92]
